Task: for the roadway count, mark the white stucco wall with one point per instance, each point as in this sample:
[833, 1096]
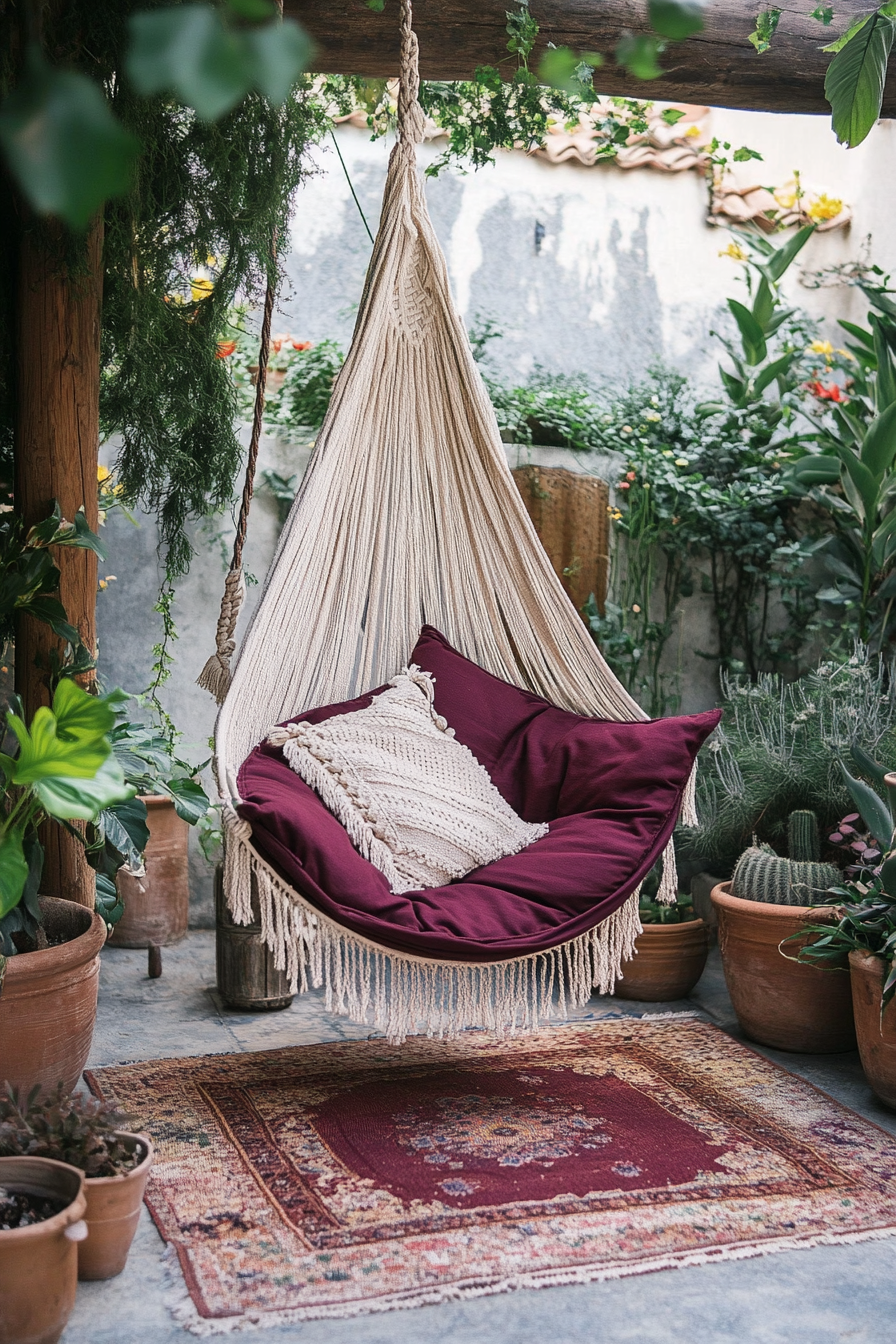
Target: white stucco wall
[628, 272]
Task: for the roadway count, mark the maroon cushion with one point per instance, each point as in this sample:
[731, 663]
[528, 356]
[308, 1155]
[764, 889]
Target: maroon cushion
[611, 792]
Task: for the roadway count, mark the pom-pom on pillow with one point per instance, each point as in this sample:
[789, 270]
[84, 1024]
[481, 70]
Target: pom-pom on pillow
[414, 801]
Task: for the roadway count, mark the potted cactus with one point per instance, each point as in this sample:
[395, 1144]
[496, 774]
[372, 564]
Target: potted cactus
[780, 1001]
[859, 920]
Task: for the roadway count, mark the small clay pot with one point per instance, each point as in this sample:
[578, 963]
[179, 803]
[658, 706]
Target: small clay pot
[876, 1034]
[39, 1264]
[669, 962]
[48, 1001]
[157, 905]
[779, 1002]
[113, 1212]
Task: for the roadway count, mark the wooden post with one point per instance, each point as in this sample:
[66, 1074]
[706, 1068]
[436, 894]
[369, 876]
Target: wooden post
[56, 446]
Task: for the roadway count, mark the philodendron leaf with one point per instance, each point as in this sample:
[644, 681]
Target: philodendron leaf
[77, 798]
[854, 84]
[875, 813]
[190, 799]
[13, 870]
[68, 740]
[63, 145]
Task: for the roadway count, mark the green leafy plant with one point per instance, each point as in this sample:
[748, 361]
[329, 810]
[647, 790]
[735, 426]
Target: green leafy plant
[864, 910]
[29, 577]
[81, 1131]
[64, 143]
[852, 476]
[60, 766]
[119, 834]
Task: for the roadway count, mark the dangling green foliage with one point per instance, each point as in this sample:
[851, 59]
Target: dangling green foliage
[206, 196]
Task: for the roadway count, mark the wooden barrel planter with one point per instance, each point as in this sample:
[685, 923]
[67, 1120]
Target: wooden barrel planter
[569, 512]
[157, 905]
[248, 980]
[670, 959]
[779, 1002]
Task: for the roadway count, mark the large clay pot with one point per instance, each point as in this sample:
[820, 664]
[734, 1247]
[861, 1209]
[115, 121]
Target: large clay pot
[669, 962]
[876, 1034]
[157, 906]
[113, 1212]
[39, 1264]
[780, 1002]
[48, 1001]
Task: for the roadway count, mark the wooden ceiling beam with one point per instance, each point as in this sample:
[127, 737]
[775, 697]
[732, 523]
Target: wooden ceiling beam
[718, 66]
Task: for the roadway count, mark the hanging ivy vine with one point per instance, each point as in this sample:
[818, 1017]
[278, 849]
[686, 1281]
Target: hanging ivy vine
[207, 196]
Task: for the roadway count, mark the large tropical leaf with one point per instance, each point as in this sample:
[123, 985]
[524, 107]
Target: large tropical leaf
[83, 799]
[875, 813]
[854, 84]
[13, 870]
[879, 447]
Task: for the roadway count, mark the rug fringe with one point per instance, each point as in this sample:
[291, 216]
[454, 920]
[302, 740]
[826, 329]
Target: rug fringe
[401, 994]
[184, 1312]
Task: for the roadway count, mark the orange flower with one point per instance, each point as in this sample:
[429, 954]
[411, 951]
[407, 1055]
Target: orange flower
[825, 392]
[631, 475]
[302, 345]
[226, 348]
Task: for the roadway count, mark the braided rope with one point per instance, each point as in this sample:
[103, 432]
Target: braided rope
[215, 675]
[411, 121]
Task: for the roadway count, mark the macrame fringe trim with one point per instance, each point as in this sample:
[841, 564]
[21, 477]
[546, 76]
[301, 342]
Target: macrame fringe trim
[401, 994]
[181, 1306]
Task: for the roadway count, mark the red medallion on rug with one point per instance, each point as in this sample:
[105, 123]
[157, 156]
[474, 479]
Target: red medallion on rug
[335, 1179]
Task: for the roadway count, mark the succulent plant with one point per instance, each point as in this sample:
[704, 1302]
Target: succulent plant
[78, 1130]
[763, 875]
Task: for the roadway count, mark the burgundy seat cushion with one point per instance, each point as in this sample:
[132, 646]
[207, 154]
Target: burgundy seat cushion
[611, 792]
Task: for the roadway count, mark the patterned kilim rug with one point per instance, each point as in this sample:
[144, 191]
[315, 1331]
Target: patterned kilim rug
[332, 1180]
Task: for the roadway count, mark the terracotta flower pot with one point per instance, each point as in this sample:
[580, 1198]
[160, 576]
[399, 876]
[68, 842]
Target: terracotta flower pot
[157, 906]
[876, 1035]
[39, 1264]
[113, 1212]
[669, 962]
[780, 1002]
[48, 1001]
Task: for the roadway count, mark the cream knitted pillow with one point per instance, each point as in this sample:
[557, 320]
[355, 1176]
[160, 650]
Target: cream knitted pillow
[416, 803]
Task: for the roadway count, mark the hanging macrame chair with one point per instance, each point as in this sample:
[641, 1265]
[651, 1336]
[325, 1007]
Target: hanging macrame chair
[408, 515]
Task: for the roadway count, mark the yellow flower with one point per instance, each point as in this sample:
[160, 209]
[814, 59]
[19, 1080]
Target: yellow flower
[692, 132]
[821, 348]
[788, 196]
[200, 288]
[682, 462]
[824, 207]
[844, 353]
[667, 452]
[102, 474]
[734, 251]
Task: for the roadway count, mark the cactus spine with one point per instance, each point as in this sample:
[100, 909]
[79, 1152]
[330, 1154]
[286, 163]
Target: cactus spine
[762, 875]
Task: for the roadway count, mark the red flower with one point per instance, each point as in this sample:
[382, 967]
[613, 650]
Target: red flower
[225, 348]
[302, 345]
[825, 392]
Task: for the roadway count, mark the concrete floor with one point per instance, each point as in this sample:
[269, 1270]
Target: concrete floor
[817, 1296]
